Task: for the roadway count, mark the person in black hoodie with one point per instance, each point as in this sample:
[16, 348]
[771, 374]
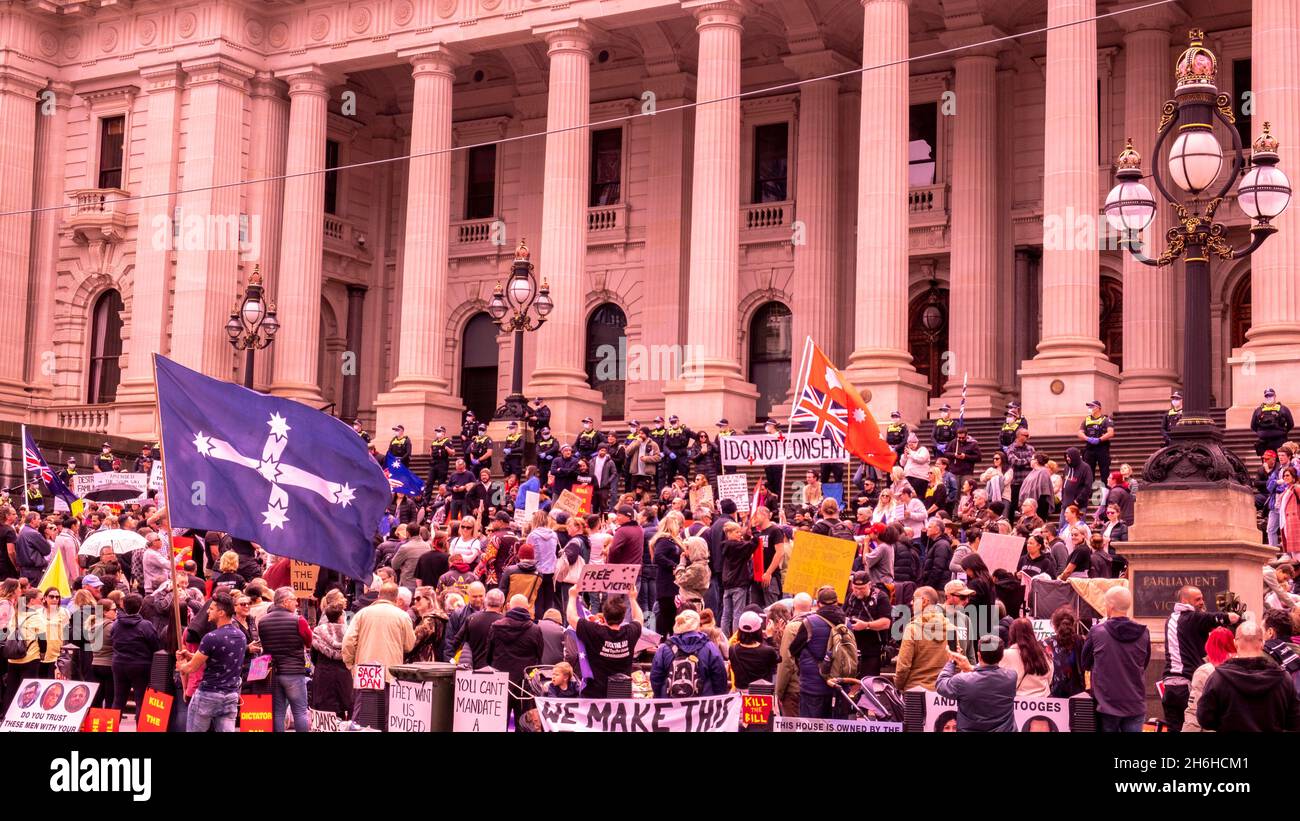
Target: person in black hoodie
[934, 570]
[514, 644]
[476, 632]
[134, 643]
[1076, 488]
[1249, 693]
[1117, 653]
[737, 575]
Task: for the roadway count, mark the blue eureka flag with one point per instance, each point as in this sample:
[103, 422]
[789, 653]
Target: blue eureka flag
[401, 479]
[274, 471]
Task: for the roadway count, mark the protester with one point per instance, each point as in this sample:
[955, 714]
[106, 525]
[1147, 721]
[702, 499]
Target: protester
[610, 642]
[751, 658]
[331, 682]
[1249, 693]
[1117, 652]
[985, 695]
[1219, 647]
[379, 634]
[688, 664]
[220, 657]
[514, 644]
[1025, 655]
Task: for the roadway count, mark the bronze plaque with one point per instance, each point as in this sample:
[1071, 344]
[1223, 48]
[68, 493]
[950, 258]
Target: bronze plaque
[1155, 591]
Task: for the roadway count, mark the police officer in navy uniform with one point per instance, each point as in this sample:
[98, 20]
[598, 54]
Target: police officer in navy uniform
[677, 441]
[620, 453]
[512, 451]
[547, 449]
[1172, 416]
[399, 447]
[440, 454]
[945, 429]
[896, 433]
[468, 430]
[67, 473]
[360, 431]
[1271, 422]
[104, 461]
[724, 429]
[480, 450]
[588, 442]
[538, 416]
[772, 473]
[143, 462]
[1011, 423]
[1097, 430]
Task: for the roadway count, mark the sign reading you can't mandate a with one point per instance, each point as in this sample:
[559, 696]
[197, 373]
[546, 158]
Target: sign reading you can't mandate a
[801, 448]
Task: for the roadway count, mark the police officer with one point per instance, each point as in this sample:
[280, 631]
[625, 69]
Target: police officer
[440, 453]
[399, 447]
[512, 451]
[724, 429]
[468, 430]
[1097, 430]
[588, 442]
[1172, 416]
[547, 449]
[772, 474]
[104, 461]
[677, 441]
[1271, 422]
[67, 473]
[480, 451]
[360, 431]
[896, 434]
[945, 429]
[144, 461]
[538, 416]
[1011, 423]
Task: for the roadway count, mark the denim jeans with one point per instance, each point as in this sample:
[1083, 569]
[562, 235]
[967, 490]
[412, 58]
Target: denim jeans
[734, 600]
[772, 593]
[292, 689]
[1274, 539]
[1119, 724]
[713, 596]
[212, 710]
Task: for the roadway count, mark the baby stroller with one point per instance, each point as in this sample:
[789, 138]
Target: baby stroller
[871, 699]
[536, 679]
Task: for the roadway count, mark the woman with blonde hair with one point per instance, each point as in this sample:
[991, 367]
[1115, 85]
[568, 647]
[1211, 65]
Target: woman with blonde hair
[665, 551]
[228, 566]
[469, 541]
[884, 511]
[574, 556]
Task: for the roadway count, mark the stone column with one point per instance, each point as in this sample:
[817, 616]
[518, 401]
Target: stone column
[1070, 368]
[18, 101]
[1151, 364]
[265, 200]
[298, 279]
[712, 386]
[560, 376]
[974, 293]
[51, 146]
[207, 282]
[420, 397]
[355, 323]
[880, 362]
[1268, 359]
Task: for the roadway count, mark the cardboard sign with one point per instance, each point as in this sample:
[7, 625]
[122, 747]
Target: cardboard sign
[816, 561]
[43, 705]
[1001, 551]
[324, 721]
[756, 711]
[480, 701]
[706, 714]
[609, 578]
[101, 720]
[1043, 629]
[787, 724]
[303, 577]
[1033, 714]
[368, 677]
[155, 713]
[569, 502]
[799, 448]
[155, 475]
[410, 706]
[255, 713]
[734, 486]
[584, 493]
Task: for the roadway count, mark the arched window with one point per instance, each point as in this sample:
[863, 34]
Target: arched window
[927, 340]
[770, 351]
[1239, 310]
[606, 357]
[478, 366]
[105, 348]
[1111, 320]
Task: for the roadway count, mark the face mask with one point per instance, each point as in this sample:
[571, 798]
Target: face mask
[586, 426]
[1178, 404]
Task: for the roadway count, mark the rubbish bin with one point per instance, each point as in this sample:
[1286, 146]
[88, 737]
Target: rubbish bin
[443, 676]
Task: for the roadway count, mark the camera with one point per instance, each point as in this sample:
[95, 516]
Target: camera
[1229, 602]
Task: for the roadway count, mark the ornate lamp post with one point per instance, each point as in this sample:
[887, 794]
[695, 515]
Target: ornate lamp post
[252, 324]
[510, 309]
[1195, 160]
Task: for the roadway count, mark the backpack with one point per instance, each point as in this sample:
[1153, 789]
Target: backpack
[841, 659]
[837, 528]
[682, 672]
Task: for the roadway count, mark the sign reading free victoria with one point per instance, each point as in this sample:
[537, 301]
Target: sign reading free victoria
[1155, 591]
[800, 448]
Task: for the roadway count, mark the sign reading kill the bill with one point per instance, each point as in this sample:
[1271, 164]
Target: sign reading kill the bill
[303, 576]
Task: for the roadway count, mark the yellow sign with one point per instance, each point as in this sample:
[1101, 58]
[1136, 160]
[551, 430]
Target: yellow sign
[303, 575]
[817, 561]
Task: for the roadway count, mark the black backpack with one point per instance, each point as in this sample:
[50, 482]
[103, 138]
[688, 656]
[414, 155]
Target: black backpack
[683, 672]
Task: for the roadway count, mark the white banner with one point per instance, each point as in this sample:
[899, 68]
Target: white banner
[799, 448]
[43, 705]
[786, 724]
[609, 578]
[123, 488]
[706, 714]
[410, 706]
[1037, 714]
[324, 721]
[734, 486]
[480, 701]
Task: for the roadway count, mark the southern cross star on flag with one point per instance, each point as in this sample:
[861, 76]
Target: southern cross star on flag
[836, 409]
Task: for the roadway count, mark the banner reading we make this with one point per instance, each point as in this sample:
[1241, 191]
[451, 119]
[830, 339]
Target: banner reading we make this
[706, 714]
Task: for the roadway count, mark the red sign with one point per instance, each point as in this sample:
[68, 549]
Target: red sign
[155, 713]
[101, 720]
[584, 492]
[756, 710]
[255, 714]
[368, 677]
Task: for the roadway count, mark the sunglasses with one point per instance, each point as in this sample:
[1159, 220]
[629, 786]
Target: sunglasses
[420, 598]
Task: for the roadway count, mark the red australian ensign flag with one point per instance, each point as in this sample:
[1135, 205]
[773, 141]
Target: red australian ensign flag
[836, 408]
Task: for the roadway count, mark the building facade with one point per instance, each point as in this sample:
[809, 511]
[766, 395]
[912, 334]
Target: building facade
[695, 208]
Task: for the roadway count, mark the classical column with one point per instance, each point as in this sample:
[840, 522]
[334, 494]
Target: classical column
[419, 397]
[1268, 359]
[711, 386]
[974, 293]
[355, 322]
[51, 140]
[298, 280]
[880, 362]
[560, 376]
[266, 158]
[1150, 310]
[1070, 368]
[207, 253]
[18, 102]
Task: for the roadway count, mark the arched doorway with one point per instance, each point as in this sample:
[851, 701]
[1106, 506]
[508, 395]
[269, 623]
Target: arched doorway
[1111, 323]
[927, 346]
[330, 364]
[770, 353]
[1239, 312]
[478, 366]
[105, 348]
[606, 357]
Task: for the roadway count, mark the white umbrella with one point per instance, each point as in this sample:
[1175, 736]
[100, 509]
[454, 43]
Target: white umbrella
[122, 541]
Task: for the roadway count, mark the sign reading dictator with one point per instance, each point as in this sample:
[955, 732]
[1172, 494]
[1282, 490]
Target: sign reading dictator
[800, 448]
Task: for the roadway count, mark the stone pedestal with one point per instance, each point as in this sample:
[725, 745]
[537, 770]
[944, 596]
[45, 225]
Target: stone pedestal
[1056, 391]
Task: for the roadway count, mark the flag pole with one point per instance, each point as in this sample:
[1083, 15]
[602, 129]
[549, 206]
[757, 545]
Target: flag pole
[175, 643]
[789, 426]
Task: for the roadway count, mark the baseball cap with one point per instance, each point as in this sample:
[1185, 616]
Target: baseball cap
[1013, 405]
[861, 577]
[750, 622]
[687, 621]
[1270, 392]
[440, 429]
[625, 510]
[1176, 395]
[895, 415]
[482, 427]
[659, 419]
[92, 580]
[1094, 403]
[673, 418]
[723, 423]
[398, 428]
[956, 587]
[827, 595]
[945, 407]
[586, 420]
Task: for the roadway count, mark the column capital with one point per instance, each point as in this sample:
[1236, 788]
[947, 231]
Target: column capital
[435, 59]
[309, 79]
[1146, 17]
[715, 13]
[14, 80]
[266, 84]
[62, 93]
[967, 39]
[217, 69]
[570, 35]
[866, 3]
[162, 77]
[818, 64]
[679, 86]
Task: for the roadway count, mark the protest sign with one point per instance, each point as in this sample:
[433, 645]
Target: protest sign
[700, 496]
[584, 494]
[756, 711]
[368, 677]
[480, 704]
[155, 713]
[324, 721]
[410, 706]
[706, 714]
[101, 720]
[1001, 551]
[790, 724]
[569, 502]
[734, 486]
[43, 705]
[532, 500]
[1033, 714]
[155, 476]
[303, 576]
[255, 713]
[1043, 629]
[609, 578]
[818, 560]
[123, 488]
[799, 448]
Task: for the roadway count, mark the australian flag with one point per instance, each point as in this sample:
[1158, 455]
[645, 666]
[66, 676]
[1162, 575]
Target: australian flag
[274, 471]
[401, 479]
[35, 463]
